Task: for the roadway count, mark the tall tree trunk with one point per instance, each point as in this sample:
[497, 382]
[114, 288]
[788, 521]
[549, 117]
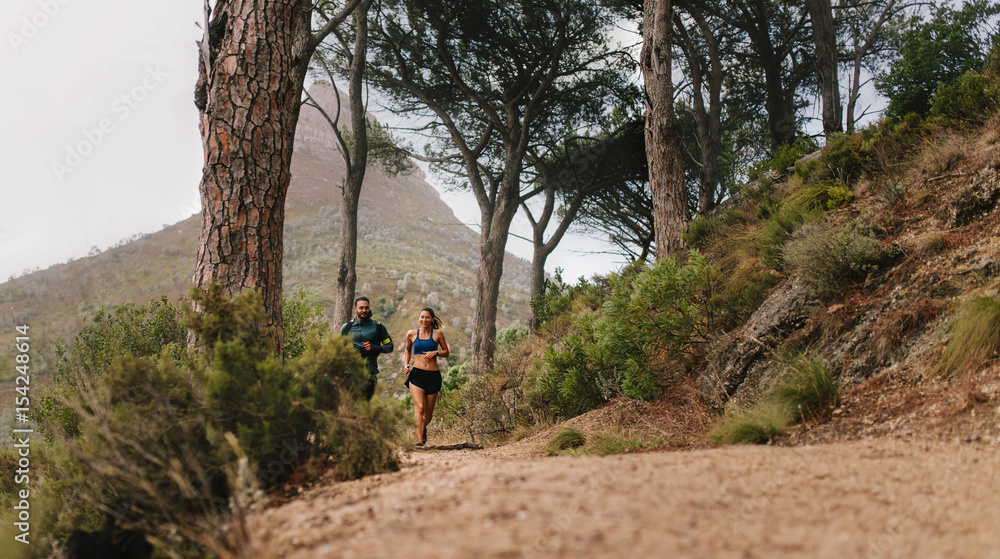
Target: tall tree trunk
[708, 121]
[825, 38]
[253, 62]
[357, 163]
[543, 249]
[492, 246]
[780, 110]
[666, 176]
[536, 285]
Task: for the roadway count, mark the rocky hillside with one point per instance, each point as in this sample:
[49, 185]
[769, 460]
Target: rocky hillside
[413, 252]
[885, 336]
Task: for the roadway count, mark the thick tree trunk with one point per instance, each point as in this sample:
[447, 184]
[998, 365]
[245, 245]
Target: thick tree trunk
[492, 246]
[248, 94]
[825, 38]
[253, 61]
[357, 163]
[780, 110]
[666, 177]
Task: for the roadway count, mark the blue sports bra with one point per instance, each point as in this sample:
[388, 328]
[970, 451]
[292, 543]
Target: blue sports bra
[423, 346]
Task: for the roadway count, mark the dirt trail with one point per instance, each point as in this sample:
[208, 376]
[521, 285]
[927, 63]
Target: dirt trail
[872, 498]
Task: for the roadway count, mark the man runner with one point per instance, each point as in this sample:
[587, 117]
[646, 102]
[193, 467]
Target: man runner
[370, 339]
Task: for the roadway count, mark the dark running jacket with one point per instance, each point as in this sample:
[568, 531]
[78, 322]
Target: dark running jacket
[369, 330]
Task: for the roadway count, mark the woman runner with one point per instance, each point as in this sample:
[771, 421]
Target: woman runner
[425, 344]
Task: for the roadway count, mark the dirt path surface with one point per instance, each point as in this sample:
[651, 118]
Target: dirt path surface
[872, 498]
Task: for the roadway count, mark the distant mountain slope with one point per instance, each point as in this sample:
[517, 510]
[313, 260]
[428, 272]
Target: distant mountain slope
[413, 252]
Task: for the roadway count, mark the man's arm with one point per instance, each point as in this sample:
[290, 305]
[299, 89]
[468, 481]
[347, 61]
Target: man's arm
[384, 341]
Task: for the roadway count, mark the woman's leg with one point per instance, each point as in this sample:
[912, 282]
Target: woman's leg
[419, 407]
[429, 412]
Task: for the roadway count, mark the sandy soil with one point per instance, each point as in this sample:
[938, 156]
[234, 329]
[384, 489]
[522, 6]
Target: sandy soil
[882, 497]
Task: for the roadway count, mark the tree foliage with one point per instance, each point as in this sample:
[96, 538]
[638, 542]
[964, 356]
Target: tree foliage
[937, 51]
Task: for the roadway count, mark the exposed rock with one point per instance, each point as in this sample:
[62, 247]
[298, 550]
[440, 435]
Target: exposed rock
[979, 198]
[740, 369]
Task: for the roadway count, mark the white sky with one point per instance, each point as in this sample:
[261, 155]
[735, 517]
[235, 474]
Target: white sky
[101, 134]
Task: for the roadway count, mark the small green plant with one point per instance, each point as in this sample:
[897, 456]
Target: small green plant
[558, 299]
[974, 337]
[837, 196]
[699, 229]
[775, 232]
[565, 439]
[509, 336]
[807, 389]
[757, 425]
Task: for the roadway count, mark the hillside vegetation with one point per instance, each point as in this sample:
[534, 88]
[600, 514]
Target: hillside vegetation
[846, 292]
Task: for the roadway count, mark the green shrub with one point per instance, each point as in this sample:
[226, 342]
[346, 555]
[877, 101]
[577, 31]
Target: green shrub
[126, 330]
[830, 260]
[839, 161]
[659, 313]
[180, 439]
[565, 439]
[558, 298]
[360, 437]
[886, 142]
[300, 321]
[509, 336]
[662, 313]
[578, 376]
[974, 337]
[144, 429]
[968, 101]
[778, 229]
[837, 197]
[807, 389]
[783, 158]
[455, 378]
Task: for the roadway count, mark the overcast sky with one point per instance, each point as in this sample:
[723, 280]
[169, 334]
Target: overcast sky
[101, 137]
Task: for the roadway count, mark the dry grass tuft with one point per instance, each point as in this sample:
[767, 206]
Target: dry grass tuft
[975, 337]
[893, 329]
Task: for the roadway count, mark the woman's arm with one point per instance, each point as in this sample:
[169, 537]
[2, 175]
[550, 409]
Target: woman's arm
[442, 344]
[408, 351]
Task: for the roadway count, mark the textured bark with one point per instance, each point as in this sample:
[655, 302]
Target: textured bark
[492, 245]
[666, 175]
[253, 62]
[825, 38]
